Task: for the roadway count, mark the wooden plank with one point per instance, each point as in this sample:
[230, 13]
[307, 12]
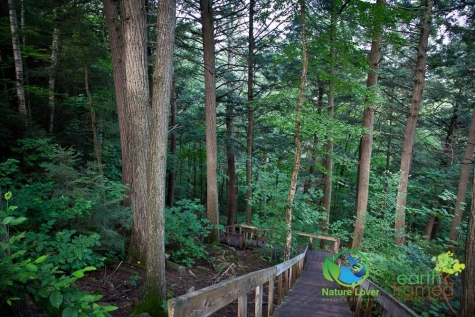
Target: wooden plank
[242, 305]
[388, 302]
[291, 278]
[279, 290]
[258, 309]
[317, 236]
[270, 301]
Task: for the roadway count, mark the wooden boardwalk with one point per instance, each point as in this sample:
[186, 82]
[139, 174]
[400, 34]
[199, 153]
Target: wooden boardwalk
[305, 299]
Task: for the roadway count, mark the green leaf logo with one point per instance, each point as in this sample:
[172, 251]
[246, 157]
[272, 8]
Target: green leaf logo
[331, 271]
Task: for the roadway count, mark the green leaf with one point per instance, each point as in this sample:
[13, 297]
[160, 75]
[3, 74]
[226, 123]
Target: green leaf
[7, 220]
[56, 299]
[18, 221]
[331, 271]
[89, 268]
[78, 273]
[8, 195]
[31, 267]
[70, 312]
[41, 259]
[109, 308]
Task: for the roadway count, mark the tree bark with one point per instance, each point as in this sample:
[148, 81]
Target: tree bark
[298, 146]
[114, 28]
[157, 154]
[250, 112]
[212, 212]
[366, 143]
[52, 79]
[137, 109]
[467, 300]
[328, 178]
[230, 158]
[406, 157]
[18, 61]
[463, 183]
[172, 173]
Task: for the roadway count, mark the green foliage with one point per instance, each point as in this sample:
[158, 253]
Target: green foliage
[66, 250]
[185, 226]
[40, 280]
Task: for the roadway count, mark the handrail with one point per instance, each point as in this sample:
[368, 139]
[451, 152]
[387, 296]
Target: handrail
[336, 241]
[389, 305]
[208, 300]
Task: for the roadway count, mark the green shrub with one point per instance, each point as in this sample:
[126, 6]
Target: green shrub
[184, 229]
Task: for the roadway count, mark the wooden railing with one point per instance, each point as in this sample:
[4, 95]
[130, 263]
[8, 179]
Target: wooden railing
[245, 233]
[311, 236]
[388, 304]
[210, 299]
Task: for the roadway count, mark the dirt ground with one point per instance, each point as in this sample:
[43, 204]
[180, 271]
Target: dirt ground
[120, 283]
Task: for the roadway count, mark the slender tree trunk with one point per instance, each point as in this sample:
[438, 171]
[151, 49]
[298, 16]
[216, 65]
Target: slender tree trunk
[250, 112]
[406, 157]
[172, 174]
[137, 109]
[467, 300]
[463, 183]
[18, 61]
[232, 178]
[111, 10]
[298, 146]
[157, 155]
[92, 111]
[52, 79]
[366, 143]
[212, 212]
[328, 178]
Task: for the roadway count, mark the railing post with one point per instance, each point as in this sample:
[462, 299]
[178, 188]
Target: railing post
[279, 290]
[258, 308]
[291, 282]
[310, 243]
[270, 306]
[242, 305]
[369, 307]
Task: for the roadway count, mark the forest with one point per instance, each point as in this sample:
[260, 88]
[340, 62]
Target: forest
[134, 130]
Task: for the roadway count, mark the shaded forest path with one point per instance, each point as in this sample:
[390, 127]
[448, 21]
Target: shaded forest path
[306, 299]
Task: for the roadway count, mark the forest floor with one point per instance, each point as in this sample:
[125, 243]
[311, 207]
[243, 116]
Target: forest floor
[120, 283]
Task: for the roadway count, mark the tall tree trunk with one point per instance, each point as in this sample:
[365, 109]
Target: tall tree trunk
[52, 79]
[231, 197]
[212, 212]
[92, 112]
[250, 112]
[157, 155]
[328, 178]
[366, 143]
[406, 157]
[172, 173]
[137, 109]
[467, 300]
[114, 28]
[463, 183]
[298, 146]
[18, 61]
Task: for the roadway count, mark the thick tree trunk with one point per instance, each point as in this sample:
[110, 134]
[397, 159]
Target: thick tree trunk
[157, 155]
[137, 109]
[406, 157]
[172, 173]
[366, 143]
[18, 61]
[463, 183]
[467, 300]
[212, 212]
[52, 79]
[114, 28]
[298, 146]
[250, 112]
